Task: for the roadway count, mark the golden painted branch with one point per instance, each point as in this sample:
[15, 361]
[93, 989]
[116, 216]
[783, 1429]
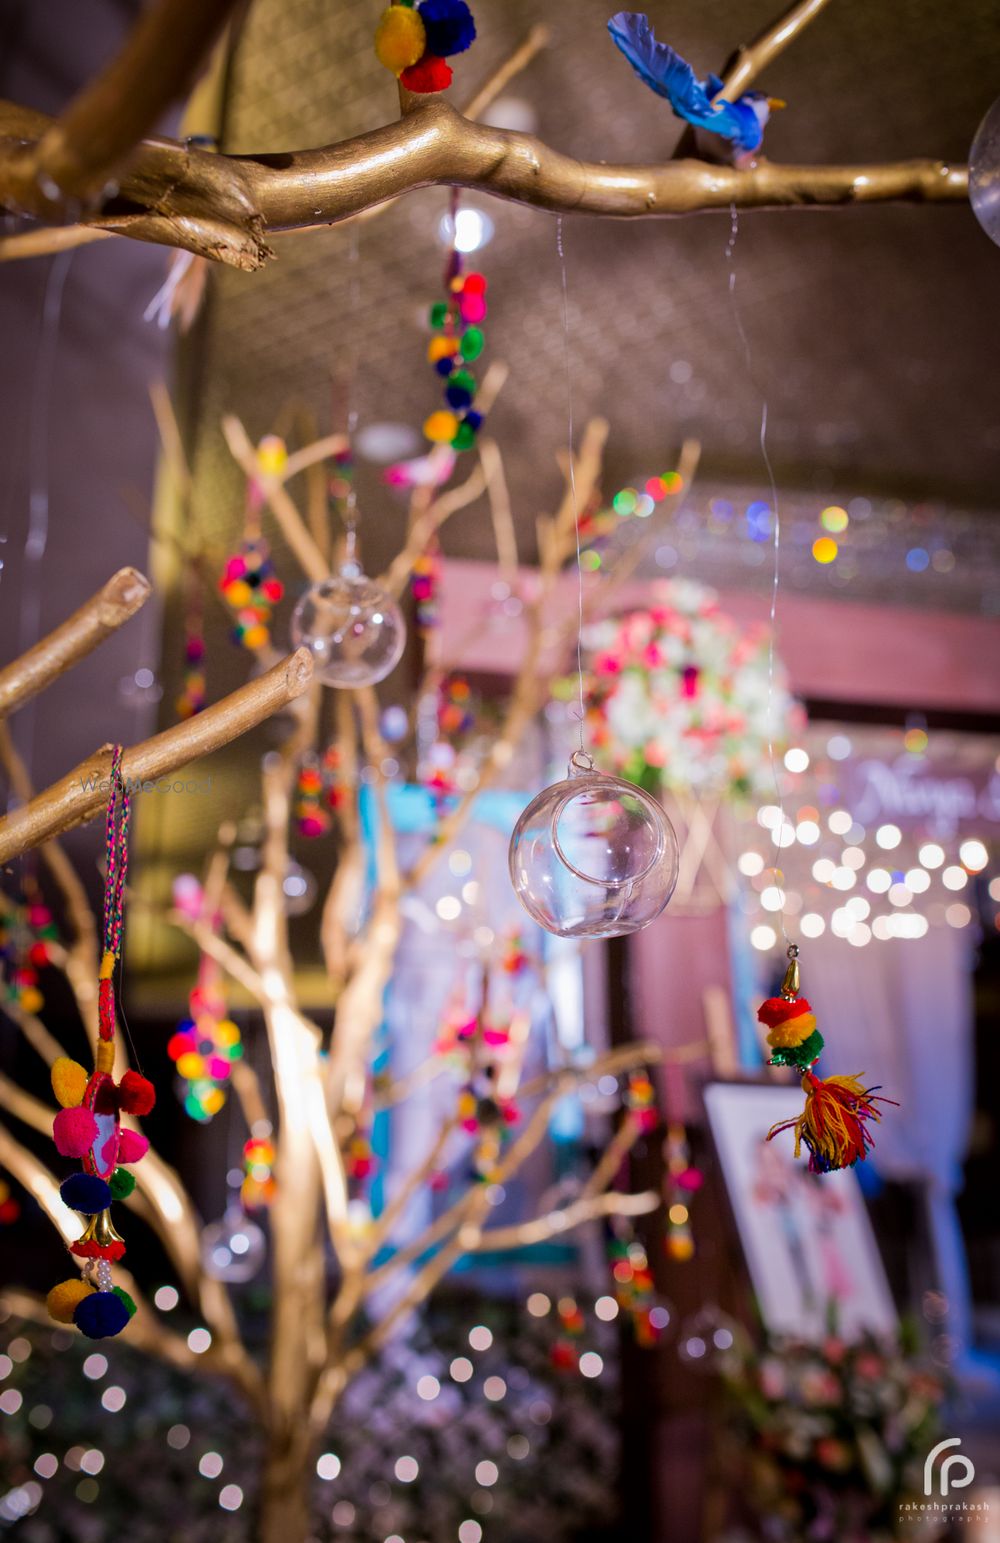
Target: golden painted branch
[77, 156]
[114, 603]
[82, 794]
[294, 529]
[222, 206]
[752, 59]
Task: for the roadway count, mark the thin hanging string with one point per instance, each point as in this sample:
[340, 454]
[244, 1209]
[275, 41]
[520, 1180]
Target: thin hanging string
[354, 292]
[734, 231]
[581, 710]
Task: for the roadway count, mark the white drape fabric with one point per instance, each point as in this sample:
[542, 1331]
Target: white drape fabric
[900, 1012]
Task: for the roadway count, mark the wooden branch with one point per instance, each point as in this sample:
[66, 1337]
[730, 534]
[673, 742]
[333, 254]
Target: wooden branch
[222, 206]
[114, 603]
[311, 560]
[82, 794]
[77, 156]
[538, 38]
[752, 59]
[521, 1234]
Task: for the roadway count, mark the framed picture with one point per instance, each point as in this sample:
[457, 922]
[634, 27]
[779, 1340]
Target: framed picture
[807, 1238]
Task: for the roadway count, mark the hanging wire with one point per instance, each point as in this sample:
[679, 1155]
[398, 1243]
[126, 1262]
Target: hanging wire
[581, 710]
[734, 231]
[354, 292]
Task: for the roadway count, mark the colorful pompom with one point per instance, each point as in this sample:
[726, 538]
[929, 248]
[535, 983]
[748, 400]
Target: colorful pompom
[136, 1094]
[102, 1314]
[63, 1300]
[74, 1132]
[85, 1192]
[121, 1184]
[430, 74]
[131, 1146]
[449, 26]
[400, 38]
[441, 427]
[69, 1081]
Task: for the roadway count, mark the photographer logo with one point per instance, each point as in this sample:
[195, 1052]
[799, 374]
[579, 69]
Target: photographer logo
[954, 1472]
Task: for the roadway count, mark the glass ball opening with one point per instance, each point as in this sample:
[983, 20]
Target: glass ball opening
[593, 856]
[984, 173]
[354, 630]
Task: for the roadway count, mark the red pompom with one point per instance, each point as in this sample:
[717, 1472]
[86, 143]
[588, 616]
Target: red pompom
[131, 1146]
[429, 74]
[136, 1094]
[475, 284]
[74, 1132]
[38, 953]
[777, 1010]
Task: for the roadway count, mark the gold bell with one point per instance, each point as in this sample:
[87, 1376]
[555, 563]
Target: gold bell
[790, 984]
[101, 1230]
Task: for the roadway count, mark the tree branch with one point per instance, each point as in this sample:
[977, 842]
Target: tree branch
[521, 1234]
[752, 59]
[82, 794]
[222, 206]
[114, 603]
[76, 157]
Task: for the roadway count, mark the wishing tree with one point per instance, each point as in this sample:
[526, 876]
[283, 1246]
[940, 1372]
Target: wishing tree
[342, 1284]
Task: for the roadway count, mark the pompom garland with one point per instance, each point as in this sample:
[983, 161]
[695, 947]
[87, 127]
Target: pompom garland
[88, 1125]
[457, 341]
[413, 42]
[834, 1125]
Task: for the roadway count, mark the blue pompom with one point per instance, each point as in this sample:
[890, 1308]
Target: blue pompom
[101, 1315]
[458, 396]
[449, 26]
[85, 1192]
[445, 366]
[473, 419]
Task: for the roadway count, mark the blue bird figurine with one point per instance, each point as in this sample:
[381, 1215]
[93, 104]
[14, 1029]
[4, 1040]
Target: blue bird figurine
[697, 102]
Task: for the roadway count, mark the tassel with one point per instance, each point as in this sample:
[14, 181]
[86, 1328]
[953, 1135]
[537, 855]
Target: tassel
[835, 1122]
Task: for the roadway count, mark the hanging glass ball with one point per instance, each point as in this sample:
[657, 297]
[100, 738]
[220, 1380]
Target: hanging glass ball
[984, 173]
[233, 1249]
[355, 630]
[594, 856]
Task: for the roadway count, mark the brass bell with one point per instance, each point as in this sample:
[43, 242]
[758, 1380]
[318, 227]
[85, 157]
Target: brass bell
[101, 1230]
[790, 984]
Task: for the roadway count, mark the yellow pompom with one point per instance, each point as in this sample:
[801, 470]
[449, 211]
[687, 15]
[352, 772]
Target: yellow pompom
[238, 593]
[256, 637]
[190, 1065]
[272, 455]
[794, 1031]
[441, 428]
[63, 1299]
[400, 38]
[441, 348]
[31, 999]
[69, 1081]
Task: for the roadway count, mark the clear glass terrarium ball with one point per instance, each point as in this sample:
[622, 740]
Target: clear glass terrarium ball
[594, 856]
[984, 173]
[355, 630]
[233, 1249]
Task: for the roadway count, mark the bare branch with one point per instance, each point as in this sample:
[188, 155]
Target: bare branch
[82, 794]
[114, 603]
[558, 1222]
[76, 157]
[753, 58]
[221, 206]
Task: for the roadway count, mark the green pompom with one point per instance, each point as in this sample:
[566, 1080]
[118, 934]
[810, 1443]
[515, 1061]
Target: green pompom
[125, 1300]
[802, 1055]
[439, 313]
[464, 379]
[472, 343]
[465, 438]
[122, 1183]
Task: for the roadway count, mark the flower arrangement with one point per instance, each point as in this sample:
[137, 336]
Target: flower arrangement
[835, 1434]
[678, 697]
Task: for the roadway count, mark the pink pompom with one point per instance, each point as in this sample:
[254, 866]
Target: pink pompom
[235, 569]
[472, 308]
[74, 1132]
[131, 1146]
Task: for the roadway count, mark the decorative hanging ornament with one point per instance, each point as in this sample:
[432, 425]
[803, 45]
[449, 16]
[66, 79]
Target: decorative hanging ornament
[835, 1122]
[233, 1248]
[88, 1125]
[413, 41]
[457, 342]
[192, 695]
[311, 819]
[984, 174]
[249, 584]
[593, 856]
[355, 630]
